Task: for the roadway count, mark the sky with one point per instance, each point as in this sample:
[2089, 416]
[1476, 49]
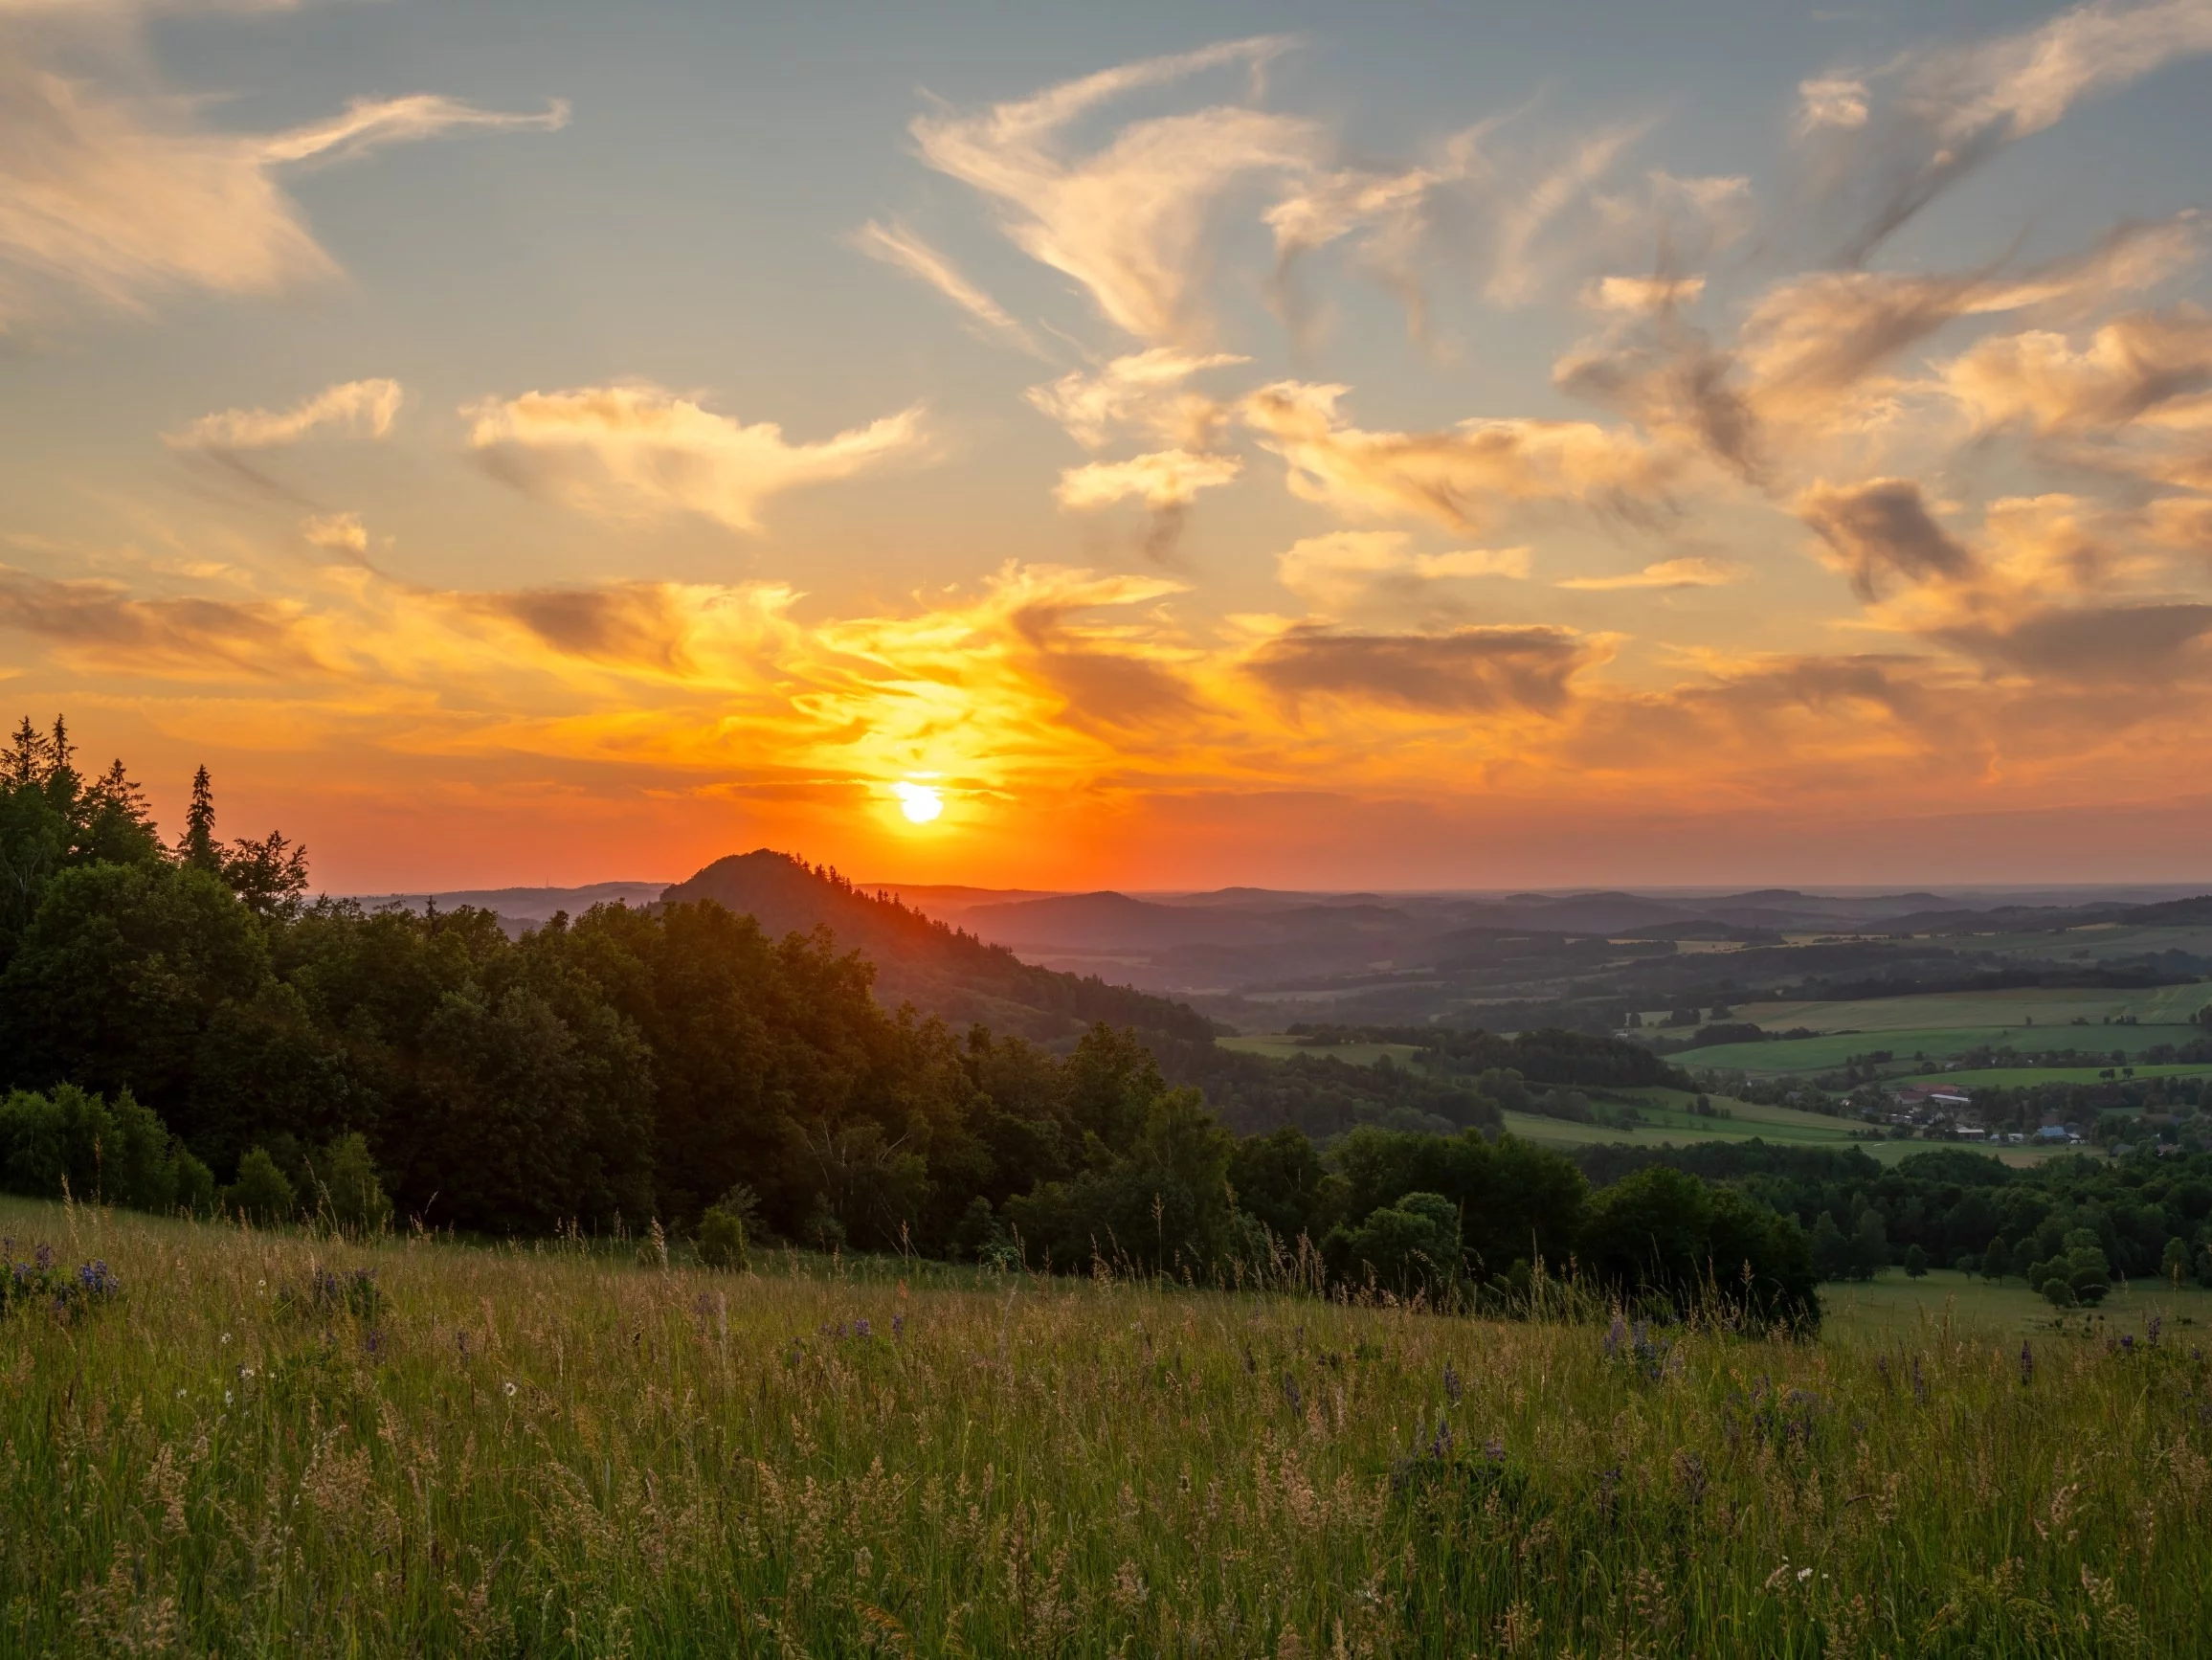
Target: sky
[1146, 446]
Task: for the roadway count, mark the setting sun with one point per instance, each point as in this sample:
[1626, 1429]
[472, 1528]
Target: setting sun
[922, 804]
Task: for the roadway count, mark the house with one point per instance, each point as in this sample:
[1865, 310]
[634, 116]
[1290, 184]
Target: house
[2051, 1133]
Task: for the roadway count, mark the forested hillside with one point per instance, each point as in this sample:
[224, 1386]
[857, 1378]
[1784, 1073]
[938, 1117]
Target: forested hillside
[182, 1027]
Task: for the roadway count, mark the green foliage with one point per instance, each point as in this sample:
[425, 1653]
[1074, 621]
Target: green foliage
[720, 1240]
[2076, 1274]
[119, 974]
[1915, 1262]
[1664, 1235]
[264, 1193]
[116, 1151]
[1407, 1247]
[352, 1192]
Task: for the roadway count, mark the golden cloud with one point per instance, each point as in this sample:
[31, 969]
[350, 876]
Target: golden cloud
[352, 407]
[628, 451]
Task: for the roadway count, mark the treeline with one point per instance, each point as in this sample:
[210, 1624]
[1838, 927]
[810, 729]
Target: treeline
[183, 1018]
[1550, 1055]
[2147, 1217]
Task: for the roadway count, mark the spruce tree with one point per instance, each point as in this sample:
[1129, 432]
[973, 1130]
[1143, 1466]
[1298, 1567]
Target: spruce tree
[196, 846]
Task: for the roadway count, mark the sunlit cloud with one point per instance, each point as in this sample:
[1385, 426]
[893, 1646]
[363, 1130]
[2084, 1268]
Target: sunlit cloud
[1163, 479]
[1885, 144]
[632, 451]
[1695, 572]
[116, 194]
[1336, 572]
[1143, 389]
[1458, 477]
[900, 248]
[1127, 220]
[350, 409]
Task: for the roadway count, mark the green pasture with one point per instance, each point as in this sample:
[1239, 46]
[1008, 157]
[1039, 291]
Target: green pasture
[2007, 1010]
[1831, 1050]
[1283, 1046]
[2025, 1077]
[1892, 1305]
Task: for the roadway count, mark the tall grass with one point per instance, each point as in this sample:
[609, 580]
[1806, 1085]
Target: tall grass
[278, 1445]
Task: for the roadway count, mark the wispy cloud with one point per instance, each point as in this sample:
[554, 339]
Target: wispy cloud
[898, 247]
[628, 451]
[116, 193]
[1468, 670]
[1686, 573]
[350, 409]
[1333, 572]
[1128, 219]
[1162, 479]
[1143, 389]
[1886, 142]
[1460, 476]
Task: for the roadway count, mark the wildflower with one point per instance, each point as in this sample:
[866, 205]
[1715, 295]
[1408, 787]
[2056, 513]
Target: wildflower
[1452, 1388]
[861, 1329]
[1805, 1574]
[226, 1398]
[898, 1321]
[2151, 1330]
[2026, 1365]
[244, 1373]
[510, 1390]
[1494, 1450]
[179, 1394]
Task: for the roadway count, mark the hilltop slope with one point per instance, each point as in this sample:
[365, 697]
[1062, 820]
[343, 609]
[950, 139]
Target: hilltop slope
[940, 970]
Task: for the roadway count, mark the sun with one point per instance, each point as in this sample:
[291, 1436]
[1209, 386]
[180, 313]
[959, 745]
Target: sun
[922, 804]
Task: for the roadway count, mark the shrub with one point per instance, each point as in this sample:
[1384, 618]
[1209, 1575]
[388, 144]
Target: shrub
[1409, 1246]
[261, 1191]
[116, 1151]
[350, 1191]
[721, 1240]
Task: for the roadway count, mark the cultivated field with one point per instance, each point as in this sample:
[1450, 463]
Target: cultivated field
[2005, 1010]
[1668, 1121]
[252, 1449]
[1822, 1054]
[1283, 1046]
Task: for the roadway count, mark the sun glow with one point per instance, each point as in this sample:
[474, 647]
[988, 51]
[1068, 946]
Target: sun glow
[922, 804]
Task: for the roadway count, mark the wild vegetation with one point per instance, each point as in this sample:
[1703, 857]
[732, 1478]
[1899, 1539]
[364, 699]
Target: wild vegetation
[251, 1443]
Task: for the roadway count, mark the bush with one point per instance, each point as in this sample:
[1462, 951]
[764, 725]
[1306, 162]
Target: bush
[1410, 1246]
[116, 1151]
[262, 1191]
[721, 1240]
[351, 1193]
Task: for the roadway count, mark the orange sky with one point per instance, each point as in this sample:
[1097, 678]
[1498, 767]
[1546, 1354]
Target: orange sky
[1129, 457]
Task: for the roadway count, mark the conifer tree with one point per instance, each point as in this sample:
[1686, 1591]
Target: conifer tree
[196, 847]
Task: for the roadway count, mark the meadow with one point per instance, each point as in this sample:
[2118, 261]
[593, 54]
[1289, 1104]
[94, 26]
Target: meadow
[269, 1443]
[1829, 1051]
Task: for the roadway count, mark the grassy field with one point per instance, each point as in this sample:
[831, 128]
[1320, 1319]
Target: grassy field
[1892, 1305]
[1668, 1121]
[555, 1454]
[1283, 1046]
[2022, 1077]
[1783, 1057]
[2048, 1007]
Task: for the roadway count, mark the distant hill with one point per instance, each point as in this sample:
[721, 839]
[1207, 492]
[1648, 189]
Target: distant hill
[940, 970]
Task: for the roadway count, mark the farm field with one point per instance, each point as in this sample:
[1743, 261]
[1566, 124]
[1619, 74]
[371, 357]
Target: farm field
[1283, 1046]
[2008, 1010]
[270, 1443]
[1784, 1056]
[1892, 1304]
[2022, 1077]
